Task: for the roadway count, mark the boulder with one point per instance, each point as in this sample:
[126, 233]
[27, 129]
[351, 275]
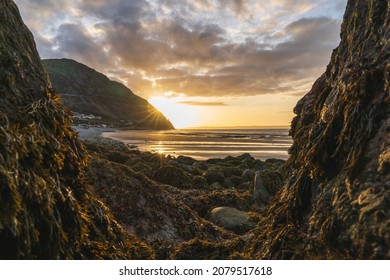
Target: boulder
[214, 174]
[174, 176]
[248, 175]
[186, 160]
[230, 218]
[199, 182]
[260, 192]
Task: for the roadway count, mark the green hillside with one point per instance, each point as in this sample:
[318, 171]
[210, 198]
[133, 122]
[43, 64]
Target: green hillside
[86, 91]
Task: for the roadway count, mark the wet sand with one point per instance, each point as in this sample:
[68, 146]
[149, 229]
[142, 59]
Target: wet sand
[205, 144]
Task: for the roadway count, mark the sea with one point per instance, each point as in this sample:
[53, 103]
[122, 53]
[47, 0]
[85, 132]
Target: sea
[202, 143]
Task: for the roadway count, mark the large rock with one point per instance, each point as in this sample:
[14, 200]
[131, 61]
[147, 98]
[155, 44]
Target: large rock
[230, 218]
[147, 209]
[214, 174]
[260, 192]
[172, 175]
[46, 211]
[336, 202]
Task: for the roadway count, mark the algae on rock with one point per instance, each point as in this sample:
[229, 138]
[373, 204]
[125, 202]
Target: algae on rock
[336, 202]
[46, 210]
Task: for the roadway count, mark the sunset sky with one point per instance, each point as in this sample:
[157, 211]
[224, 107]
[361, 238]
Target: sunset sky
[201, 62]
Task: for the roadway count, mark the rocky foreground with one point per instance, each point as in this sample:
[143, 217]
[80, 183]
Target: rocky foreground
[174, 204]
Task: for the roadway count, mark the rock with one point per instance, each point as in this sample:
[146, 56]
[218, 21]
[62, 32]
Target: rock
[235, 181]
[142, 168]
[186, 160]
[118, 157]
[200, 165]
[187, 168]
[148, 209]
[199, 182]
[248, 175]
[244, 166]
[335, 202]
[231, 171]
[228, 183]
[216, 186]
[214, 174]
[260, 192]
[230, 218]
[259, 165]
[173, 176]
[246, 156]
[47, 210]
[275, 162]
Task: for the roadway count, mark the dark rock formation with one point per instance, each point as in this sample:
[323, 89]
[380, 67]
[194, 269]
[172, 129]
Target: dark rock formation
[147, 209]
[46, 211]
[175, 214]
[86, 91]
[336, 203]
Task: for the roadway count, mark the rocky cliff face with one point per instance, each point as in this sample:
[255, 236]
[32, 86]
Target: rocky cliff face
[87, 91]
[336, 203]
[46, 211]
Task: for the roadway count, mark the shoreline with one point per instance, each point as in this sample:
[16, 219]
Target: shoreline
[201, 145]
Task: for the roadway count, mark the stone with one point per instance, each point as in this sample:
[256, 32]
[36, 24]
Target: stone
[47, 210]
[214, 175]
[260, 192]
[248, 175]
[215, 186]
[259, 165]
[199, 182]
[174, 176]
[186, 160]
[230, 218]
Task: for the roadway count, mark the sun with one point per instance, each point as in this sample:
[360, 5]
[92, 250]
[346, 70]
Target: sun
[180, 115]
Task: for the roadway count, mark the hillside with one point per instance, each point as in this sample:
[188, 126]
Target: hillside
[86, 91]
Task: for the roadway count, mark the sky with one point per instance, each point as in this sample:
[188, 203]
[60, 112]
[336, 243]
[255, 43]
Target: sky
[201, 62]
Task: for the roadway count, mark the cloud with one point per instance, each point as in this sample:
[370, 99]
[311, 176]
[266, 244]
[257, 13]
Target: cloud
[197, 48]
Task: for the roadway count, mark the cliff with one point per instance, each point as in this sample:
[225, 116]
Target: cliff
[86, 91]
[336, 202]
[46, 210]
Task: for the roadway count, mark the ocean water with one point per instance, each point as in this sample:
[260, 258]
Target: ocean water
[203, 144]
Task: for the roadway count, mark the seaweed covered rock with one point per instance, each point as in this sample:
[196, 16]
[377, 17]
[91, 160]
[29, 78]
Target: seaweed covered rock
[46, 211]
[336, 202]
[172, 175]
[266, 184]
[147, 209]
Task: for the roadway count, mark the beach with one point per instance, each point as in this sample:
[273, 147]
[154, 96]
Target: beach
[202, 144]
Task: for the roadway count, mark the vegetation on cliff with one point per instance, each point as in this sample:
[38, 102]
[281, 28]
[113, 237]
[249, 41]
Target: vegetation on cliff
[336, 201]
[86, 91]
[46, 210]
